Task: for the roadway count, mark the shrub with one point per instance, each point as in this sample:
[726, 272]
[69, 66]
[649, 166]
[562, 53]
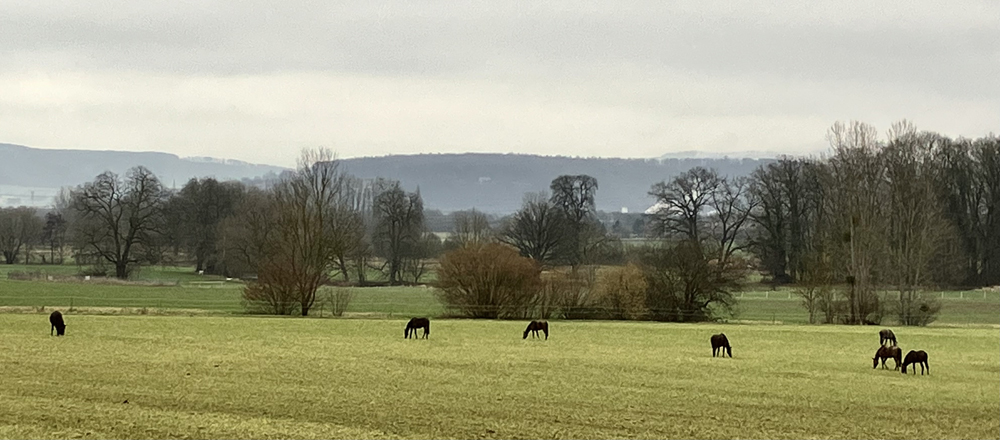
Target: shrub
[623, 292]
[488, 281]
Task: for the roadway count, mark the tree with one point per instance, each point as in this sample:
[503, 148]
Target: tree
[488, 281]
[785, 217]
[535, 230]
[685, 284]
[917, 227]
[291, 236]
[195, 213]
[471, 227]
[119, 221]
[684, 202]
[399, 218]
[20, 228]
[856, 211]
[54, 235]
[573, 197]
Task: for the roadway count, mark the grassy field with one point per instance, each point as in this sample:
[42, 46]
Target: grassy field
[238, 377]
[201, 295]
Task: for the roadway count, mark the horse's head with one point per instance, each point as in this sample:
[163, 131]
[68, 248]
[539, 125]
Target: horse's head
[526, 334]
[875, 362]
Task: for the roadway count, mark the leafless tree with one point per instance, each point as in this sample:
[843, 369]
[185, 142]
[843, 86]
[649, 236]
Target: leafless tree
[684, 203]
[399, 226]
[857, 213]
[535, 230]
[20, 228]
[471, 227]
[120, 221]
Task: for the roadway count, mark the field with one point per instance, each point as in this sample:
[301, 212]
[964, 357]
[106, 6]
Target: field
[174, 290]
[228, 377]
[198, 366]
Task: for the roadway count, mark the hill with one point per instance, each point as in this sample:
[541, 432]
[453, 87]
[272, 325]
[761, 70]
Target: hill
[494, 183]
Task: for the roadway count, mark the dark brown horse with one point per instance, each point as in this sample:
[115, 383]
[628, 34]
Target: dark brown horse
[58, 325]
[534, 327]
[916, 357]
[417, 323]
[720, 344]
[886, 335]
[885, 352]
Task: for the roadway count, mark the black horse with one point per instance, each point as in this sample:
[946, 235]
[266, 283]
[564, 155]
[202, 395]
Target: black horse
[58, 325]
[916, 357]
[721, 342]
[886, 335]
[416, 323]
[885, 352]
[534, 327]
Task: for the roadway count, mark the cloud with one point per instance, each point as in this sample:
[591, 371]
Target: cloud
[257, 80]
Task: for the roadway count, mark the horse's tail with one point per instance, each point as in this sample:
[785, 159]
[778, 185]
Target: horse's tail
[427, 330]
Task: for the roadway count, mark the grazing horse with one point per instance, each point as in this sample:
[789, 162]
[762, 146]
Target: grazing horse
[916, 357]
[416, 323]
[886, 335]
[534, 327]
[885, 352]
[58, 325]
[720, 344]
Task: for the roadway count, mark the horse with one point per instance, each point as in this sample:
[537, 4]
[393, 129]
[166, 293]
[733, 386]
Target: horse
[720, 344]
[415, 324]
[916, 357]
[885, 352]
[886, 335]
[534, 327]
[58, 325]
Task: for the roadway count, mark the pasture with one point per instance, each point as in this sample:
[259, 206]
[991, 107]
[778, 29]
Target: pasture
[229, 377]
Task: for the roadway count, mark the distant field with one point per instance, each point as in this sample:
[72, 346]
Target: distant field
[229, 377]
[171, 289]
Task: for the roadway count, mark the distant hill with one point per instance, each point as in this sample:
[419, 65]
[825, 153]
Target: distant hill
[34, 167]
[493, 183]
[496, 183]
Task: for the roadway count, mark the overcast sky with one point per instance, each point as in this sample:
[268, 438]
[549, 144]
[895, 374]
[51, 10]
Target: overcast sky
[260, 80]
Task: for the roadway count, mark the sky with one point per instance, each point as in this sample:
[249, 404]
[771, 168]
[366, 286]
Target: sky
[260, 80]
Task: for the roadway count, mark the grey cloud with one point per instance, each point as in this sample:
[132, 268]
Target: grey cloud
[484, 39]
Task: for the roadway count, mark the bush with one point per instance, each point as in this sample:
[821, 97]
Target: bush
[489, 281]
[338, 299]
[623, 292]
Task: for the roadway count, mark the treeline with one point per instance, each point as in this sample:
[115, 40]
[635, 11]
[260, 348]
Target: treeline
[860, 234]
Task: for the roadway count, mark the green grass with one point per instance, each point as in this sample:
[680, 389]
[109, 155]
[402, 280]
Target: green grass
[215, 297]
[240, 377]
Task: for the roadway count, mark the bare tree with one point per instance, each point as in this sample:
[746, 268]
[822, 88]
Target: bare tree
[20, 228]
[857, 212]
[573, 196]
[399, 219]
[535, 230]
[684, 202]
[917, 227]
[120, 220]
[292, 236]
[194, 214]
[471, 227]
[54, 236]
